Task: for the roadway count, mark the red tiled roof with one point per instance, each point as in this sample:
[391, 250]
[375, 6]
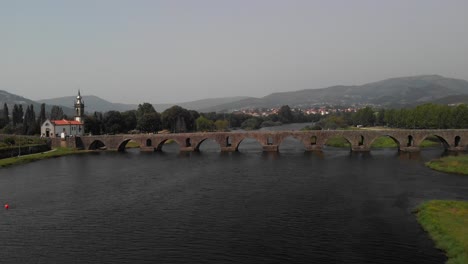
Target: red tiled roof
[65, 122]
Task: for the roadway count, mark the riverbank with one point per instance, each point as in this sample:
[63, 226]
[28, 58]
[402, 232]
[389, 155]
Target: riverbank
[58, 152]
[447, 224]
[450, 164]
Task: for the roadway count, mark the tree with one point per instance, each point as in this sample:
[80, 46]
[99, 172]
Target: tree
[29, 121]
[112, 121]
[285, 114]
[56, 113]
[221, 125]
[93, 124]
[250, 124]
[332, 122]
[177, 119]
[204, 124]
[144, 108]
[149, 122]
[364, 116]
[17, 115]
[42, 115]
[6, 114]
[129, 120]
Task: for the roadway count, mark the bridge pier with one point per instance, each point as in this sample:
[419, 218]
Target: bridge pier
[147, 149]
[314, 148]
[457, 149]
[270, 148]
[228, 149]
[410, 149]
[187, 149]
[360, 148]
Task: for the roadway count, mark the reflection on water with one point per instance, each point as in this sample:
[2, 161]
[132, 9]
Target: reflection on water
[291, 206]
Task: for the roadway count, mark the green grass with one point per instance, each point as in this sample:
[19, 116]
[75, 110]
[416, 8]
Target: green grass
[132, 144]
[447, 224]
[38, 156]
[451, 164]
[338, 142]
[384, 142]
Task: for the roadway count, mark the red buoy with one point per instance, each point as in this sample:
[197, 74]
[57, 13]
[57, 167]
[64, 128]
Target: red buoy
[7, 206]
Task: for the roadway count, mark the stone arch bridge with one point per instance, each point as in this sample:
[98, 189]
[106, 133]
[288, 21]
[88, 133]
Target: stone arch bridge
[360, 140]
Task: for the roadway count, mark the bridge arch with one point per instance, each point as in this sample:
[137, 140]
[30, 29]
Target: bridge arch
[443, 141]
[252, 141]
[383, 141]
[97, 145]
[210, 143]
[291, 142]
[338, 141]
[169, 143]
[121, 146]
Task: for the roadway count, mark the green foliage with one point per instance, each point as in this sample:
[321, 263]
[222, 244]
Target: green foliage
[285, 114]
[447, 222]
[56, 113]
[428, 116]
[384, 142]
[338, 142]
[177, 119]
[204, 124]
[364, 117]
[251, 124]
[451, 164]
[221, 125]
[149, 122]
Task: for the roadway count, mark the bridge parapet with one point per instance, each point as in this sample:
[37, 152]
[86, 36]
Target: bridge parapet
[360, 140]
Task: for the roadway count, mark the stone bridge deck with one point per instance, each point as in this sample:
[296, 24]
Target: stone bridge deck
[360, 140]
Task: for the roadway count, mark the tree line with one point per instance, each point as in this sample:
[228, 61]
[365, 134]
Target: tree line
[145, 119]
[426, 116]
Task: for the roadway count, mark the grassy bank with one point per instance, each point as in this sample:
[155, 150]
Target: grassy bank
[38, 156]
[451, 164]
[447, 224]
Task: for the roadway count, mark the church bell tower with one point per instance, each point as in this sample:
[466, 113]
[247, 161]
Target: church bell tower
[79, 108]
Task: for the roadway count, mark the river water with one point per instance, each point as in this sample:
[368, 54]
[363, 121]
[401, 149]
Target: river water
[212, 207]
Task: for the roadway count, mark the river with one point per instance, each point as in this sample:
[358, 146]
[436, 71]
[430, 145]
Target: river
[212, 207]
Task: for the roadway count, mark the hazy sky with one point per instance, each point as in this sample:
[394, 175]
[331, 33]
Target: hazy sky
[175, 51]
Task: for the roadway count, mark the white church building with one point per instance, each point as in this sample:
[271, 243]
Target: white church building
[65, 128]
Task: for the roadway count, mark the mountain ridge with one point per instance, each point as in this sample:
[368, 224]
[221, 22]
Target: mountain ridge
[391, 92]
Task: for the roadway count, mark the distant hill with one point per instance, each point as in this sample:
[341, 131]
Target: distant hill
[94, 103]
[452, 100]
[201, 105]
[395, 92]
[12, 99]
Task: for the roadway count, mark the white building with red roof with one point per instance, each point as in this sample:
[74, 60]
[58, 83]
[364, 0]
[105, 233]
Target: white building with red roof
[62, 128]
[65, 128]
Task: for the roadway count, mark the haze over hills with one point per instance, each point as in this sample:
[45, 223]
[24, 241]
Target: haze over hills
[94, 103]
[394, 92]
[12, 99]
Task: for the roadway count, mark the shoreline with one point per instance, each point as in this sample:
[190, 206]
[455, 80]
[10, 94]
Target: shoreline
[445, 221]
[53, 153]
